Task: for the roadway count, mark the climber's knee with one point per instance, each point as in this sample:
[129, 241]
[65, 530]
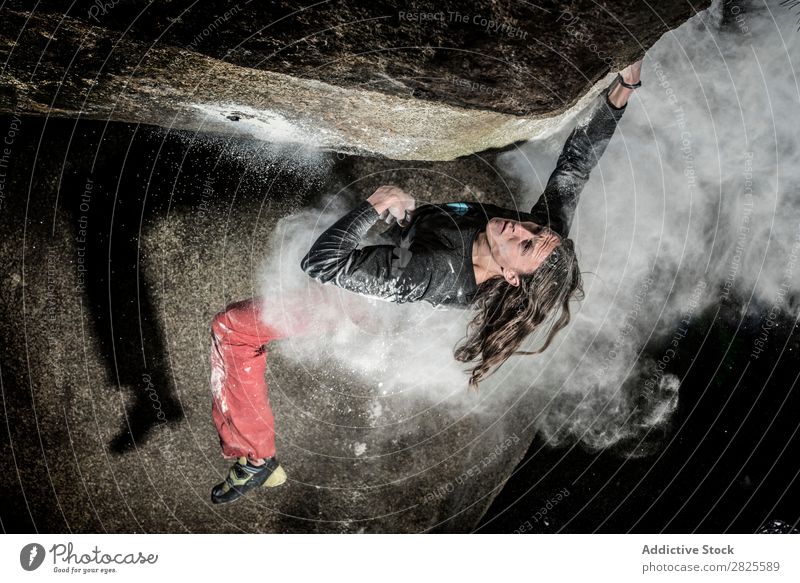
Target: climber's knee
[221, 323]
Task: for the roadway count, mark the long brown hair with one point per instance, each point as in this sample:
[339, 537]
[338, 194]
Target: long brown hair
[507, 315]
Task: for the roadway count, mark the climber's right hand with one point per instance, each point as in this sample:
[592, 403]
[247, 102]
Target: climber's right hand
[395, 200]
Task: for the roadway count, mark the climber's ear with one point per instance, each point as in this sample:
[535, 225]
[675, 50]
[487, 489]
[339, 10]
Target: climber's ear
[511, 276]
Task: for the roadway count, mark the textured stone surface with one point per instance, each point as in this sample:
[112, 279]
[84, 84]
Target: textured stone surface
[340, 76]
[116, 260]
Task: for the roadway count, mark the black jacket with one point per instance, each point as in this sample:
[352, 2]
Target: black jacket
[431, 258]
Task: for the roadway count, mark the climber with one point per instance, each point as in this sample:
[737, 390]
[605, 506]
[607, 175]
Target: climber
[515, 270]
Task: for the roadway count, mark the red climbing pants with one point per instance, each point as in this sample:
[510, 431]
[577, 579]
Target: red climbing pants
[240, 408]
[239, 338]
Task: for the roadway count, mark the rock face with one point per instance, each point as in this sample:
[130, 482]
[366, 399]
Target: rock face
[121, 241]
[425, 82]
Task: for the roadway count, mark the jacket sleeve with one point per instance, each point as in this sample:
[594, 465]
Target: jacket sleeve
[376, 270]
[582, 150]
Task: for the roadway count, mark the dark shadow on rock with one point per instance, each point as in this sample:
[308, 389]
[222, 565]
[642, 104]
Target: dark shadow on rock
[106, 209]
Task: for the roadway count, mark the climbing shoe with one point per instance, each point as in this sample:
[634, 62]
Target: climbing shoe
[244, 477]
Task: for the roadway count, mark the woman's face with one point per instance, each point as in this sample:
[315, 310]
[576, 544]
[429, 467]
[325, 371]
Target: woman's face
[519, 247]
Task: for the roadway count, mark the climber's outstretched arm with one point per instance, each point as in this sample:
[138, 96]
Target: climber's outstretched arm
[581, 152]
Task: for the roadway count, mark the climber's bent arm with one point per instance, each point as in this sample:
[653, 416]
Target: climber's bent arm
[377, 270]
